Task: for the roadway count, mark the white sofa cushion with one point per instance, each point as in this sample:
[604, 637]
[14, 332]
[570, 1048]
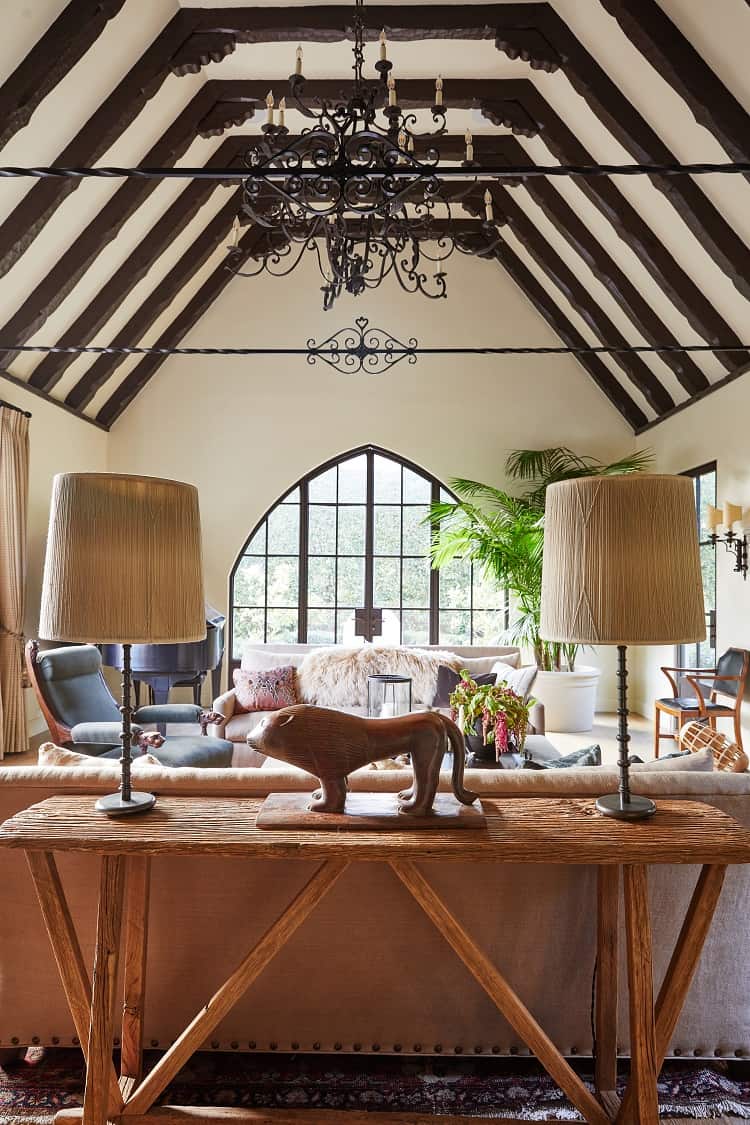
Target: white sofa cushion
[519, 680]
[260, 660]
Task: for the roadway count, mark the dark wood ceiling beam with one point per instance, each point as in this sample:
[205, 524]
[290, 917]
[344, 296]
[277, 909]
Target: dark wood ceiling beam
[143, 371]
[413, 93]
[603, 266]
[560, 274]
[105, 226]
[157, 302]
[660, 41]
[63, 44]
[618, 114]
[135, 267]
[570, 336]
[102, 129]
[219, 30]
[678, 286]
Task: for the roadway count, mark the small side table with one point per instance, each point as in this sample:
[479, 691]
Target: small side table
[517, 831]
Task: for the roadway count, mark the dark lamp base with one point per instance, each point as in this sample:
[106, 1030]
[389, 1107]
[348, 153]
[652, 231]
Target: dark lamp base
[113, 804]
[636, 808]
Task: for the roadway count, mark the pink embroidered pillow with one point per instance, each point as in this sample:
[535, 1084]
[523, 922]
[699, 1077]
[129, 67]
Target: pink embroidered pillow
[267, 690]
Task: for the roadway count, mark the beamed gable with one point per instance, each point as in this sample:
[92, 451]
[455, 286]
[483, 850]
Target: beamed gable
[600, 259]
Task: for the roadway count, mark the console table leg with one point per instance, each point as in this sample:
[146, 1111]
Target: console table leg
[683, 964]
[605, 1016]
[67, 952]
[103, 983]
[135, 946]
[643, 1062]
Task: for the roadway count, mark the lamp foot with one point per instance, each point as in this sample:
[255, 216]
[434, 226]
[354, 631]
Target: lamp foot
[114, 805]
[635, 808]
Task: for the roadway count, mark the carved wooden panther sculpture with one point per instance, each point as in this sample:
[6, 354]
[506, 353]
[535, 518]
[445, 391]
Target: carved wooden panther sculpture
[331, 744]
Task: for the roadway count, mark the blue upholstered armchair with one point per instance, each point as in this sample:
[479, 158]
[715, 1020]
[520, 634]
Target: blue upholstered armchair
[82, 714]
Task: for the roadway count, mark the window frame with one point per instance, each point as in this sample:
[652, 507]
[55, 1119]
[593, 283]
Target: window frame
[302, 609]
[682, 657]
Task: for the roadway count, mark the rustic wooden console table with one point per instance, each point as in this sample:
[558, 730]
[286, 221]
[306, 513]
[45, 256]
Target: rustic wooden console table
[518, 831]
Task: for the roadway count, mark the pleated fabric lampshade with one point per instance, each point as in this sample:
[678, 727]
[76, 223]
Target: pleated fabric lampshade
[622, 562]
[123, 562]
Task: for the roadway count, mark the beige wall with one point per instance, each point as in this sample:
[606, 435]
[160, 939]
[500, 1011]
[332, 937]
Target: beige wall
[713, 430]
[243, 430]
[59, 443]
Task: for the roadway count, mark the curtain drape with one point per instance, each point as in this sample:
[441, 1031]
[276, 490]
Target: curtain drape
[14, 493]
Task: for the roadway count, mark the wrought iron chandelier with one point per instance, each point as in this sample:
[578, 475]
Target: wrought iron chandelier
[361, 189]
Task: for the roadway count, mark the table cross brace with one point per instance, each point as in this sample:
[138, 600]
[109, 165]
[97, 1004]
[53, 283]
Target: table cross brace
[655, 1024]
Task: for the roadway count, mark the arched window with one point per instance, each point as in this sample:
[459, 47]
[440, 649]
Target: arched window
[343, 558]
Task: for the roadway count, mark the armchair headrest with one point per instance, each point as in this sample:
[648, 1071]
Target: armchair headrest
[68, 662]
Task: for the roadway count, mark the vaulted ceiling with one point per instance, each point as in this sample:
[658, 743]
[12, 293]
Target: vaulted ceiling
[611, 261]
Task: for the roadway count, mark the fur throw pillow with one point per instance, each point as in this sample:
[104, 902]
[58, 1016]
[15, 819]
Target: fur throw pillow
[51, 755]
[337, 677]
[266, 690]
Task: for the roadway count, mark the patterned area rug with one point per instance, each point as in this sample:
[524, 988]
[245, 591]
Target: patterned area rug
[32, 1092]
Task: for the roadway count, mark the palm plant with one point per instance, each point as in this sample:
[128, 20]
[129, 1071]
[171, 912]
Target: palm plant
[504, 534]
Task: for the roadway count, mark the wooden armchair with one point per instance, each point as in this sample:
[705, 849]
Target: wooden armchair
[727, 680]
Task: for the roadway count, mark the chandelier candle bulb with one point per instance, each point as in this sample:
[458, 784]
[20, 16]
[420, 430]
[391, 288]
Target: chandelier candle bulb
[488, 211]
[282, 111]
[439, 90]
[269, 106]
[383, 46]
[469, 145]
[298, 61]
[402, 139]
[391, 90]
[410, 145]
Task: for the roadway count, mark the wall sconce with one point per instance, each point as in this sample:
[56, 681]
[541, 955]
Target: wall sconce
[734, 541]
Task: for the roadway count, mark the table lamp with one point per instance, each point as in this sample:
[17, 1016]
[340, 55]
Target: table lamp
[123, 566]
[622, 566]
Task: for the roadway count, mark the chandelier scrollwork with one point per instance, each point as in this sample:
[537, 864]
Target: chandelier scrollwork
[364, 197]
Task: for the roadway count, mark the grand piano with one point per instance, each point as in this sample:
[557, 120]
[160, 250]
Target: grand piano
[185, 664]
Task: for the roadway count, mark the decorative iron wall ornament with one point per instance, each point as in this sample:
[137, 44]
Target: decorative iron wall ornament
[362, 348]
[365, 198]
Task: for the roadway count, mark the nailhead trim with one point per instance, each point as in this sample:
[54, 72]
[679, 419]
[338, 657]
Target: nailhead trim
[417, 1048]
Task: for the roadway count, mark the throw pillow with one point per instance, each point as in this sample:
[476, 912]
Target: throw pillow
[51, 755]
[520, 680]
[702, 761]
[448, 680]
[589, 756]
[269, 689]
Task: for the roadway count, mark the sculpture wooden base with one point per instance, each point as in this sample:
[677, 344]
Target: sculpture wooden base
[366, 812]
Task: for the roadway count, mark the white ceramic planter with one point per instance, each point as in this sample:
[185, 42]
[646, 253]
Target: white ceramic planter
[569, 698]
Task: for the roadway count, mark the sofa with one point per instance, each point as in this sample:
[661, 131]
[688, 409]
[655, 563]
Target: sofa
[367, 971]
[420, 663]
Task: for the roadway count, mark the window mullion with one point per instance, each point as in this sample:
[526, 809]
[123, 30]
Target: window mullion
[434, 582]
[369, 540]
[303, 574]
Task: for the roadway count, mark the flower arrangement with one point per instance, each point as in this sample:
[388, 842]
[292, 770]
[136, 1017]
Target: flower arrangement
[502, 711]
